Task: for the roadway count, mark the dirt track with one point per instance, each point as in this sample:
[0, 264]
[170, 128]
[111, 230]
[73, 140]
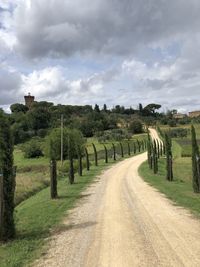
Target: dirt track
[122, 221]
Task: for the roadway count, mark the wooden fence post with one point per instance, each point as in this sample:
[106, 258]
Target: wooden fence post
[53, 179]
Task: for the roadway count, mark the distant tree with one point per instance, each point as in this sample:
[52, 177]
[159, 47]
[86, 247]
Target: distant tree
[18, 108]
[39, 118]
[150, 109]
[105, 108]
[140, 108]
[96, 108]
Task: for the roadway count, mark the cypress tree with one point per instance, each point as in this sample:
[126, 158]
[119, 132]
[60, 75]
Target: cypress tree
[195, 162]
[87, 159]
[80, 165]
[158, 148]
[7, 227]
[161, 149]
[53, 174]
[71, 163]
[129, 149]
[149, 152]
[139, 145]
[155, 158]
[169, 167]
[122, 151]
[114, 152]
[95, 155]
[134, 148]
[106, 154]
[71, 170]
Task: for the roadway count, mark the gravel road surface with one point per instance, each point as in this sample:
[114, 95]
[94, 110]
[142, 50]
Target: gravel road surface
[121, 221]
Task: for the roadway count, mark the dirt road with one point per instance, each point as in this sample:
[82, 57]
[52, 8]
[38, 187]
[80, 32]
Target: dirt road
[123, 222]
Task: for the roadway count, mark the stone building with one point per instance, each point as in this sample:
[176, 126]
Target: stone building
[194, 114]
[29, 100]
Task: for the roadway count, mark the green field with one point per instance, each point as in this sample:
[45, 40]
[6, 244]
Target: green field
[180, 190]
[33, 174]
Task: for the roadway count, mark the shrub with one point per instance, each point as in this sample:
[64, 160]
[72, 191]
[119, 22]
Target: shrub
[113, 135]
[172, 123]
[178, 132]
[32, 149]
[136, 127]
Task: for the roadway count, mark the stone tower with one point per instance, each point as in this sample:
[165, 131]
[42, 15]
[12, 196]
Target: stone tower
[29, 100]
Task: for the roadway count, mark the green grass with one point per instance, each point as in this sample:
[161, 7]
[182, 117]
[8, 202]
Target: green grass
[33, 174]
[180, 190]
[38, 215]
[22, 163]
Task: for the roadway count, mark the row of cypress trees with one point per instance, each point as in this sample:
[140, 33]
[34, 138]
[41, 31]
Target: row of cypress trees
[141, 146]
[155, 150]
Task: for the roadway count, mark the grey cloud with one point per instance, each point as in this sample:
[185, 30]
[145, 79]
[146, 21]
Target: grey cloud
[10, 83]
[108, 27]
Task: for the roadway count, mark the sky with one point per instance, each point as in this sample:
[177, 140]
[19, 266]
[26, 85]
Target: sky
[102, 51]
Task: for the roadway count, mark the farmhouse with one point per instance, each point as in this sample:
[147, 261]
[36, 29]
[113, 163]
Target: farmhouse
[179, 116]
[194, 114]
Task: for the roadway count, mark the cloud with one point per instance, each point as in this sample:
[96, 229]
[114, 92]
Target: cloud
[118, 52]
[52, 83]
[63, 28]
[10, 83]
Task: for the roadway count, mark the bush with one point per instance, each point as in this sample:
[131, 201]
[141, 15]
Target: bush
[172, 123]
[113, 135]
[179, 132]
[32, 149]
[136, 127]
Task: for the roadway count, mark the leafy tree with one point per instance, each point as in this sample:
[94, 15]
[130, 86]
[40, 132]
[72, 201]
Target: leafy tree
[15, 108]
[69, 135]
[39, 118]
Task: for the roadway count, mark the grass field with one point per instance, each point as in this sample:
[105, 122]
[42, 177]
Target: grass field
[36, 216]
[180, 190]
[33, 174]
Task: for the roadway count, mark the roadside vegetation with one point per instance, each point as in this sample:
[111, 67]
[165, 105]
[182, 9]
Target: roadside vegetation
[180, 190]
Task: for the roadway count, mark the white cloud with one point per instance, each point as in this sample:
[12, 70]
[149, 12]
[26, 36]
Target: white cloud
[155, 44]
